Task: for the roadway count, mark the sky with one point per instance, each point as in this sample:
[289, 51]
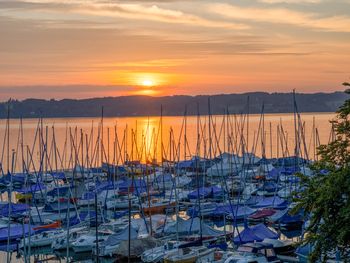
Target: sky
[97, 48]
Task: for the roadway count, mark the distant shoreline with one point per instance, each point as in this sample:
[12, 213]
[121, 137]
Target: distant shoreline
[143, 106]
[171, 116]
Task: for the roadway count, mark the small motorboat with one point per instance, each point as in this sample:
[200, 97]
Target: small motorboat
[157, 254]
[262, 214]
[281, 247]
[88, 241]
[190, 255]
[157, 206]
[61, 241]
[42, 239]
[254, 252]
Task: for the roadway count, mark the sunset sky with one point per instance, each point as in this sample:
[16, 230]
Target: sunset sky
[97, 48]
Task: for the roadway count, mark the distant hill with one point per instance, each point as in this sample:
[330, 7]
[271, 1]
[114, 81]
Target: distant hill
[173, 105]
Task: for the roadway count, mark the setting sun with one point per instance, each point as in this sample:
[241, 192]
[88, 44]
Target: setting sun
[147, 83]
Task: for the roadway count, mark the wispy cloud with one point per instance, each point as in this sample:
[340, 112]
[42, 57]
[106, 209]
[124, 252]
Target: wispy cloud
[61, 91]
[194, 46]
[137, 11]
[154, 13]
[291, 1]
[283, 16]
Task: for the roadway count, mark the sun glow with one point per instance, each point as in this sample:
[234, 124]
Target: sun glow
[147, 83]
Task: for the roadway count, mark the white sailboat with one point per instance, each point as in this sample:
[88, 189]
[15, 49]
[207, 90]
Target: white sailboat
[42, 239]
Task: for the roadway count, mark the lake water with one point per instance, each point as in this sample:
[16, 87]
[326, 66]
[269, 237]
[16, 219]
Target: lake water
[64, 142]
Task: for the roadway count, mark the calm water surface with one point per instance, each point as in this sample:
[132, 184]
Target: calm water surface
[80, 140]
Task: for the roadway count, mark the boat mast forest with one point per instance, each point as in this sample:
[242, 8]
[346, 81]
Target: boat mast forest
[216, 193]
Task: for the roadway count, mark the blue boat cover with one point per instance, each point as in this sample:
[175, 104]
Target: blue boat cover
[138, 184]
[263, 232]
[290, 161]
[289, 219]
[163, 178]
[273, 201]
[17, 180]
[59, 191]
[16, 209]
[206, 192]
[254, 234]
[263, 161]
[16, 231]
[32, 189]
[83, 216]
[254, 199]
[269, 186]
[56, 207]
[239, 211]
[202, 192]
[59, 175]
[195, 162]
[120, 214]
[118, 169]
[217, 191]
[107, 185]
[246, 236]
[273, 174]
[88, 196]
[189, 164]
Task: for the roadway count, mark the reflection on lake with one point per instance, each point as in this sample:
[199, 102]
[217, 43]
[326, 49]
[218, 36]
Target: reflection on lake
[70, 141]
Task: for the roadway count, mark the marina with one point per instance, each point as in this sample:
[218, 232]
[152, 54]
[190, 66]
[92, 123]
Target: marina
[156, 189]
[174, 131]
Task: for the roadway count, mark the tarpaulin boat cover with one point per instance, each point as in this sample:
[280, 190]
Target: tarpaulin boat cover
[137, 246]
[273, 201]
[16, 231]
[217, 191]
[118, 169]
[269, 186]
[278, 215]
[138, 184]
[184, 226]
[163, 178]
[16, 209]
[107, 185]
[83, 216]
[246, 236]
[263, 213]
[191, 226]
[289, 219]
[195, 162]
[16, 178]
[206, 192]
[254, 199]
[291, 161]
[263, 232]
[186, 165]
[32, 189]
[249, 159]
[88, 196]
[264, 161]
[209, 231]
[238, 211]
[202, 192]
[117, 238]
[254, 234]
[58, 175]
[59, 191]
[273, 174]
[58, 206]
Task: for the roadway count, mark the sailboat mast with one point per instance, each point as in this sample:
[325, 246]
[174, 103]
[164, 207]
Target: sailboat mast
[197, 176]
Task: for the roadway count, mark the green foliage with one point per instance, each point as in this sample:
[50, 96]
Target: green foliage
[326, 198]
